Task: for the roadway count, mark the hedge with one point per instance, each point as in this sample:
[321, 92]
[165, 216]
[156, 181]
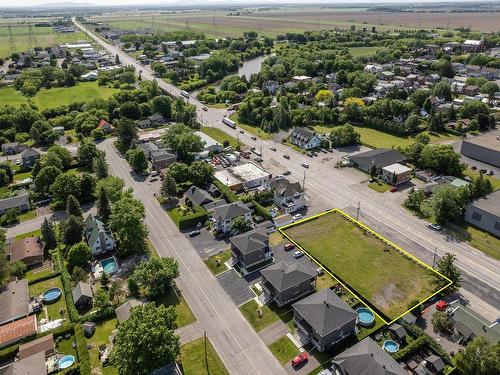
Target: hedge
[410, 348]
[188, 221]
[8, 352]
[262, 211]
[82, 351]
[99, 315]
[431, 343]
[68, 295]
[59, 331]
[44, 278]
[226, 193]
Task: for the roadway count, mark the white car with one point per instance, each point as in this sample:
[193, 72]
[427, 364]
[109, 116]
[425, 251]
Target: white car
[297, 217]
[298, 254]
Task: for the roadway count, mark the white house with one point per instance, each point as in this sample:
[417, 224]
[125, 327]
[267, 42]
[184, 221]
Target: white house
[224, 216]
[287, 196]
[305, 138]
[98, 236]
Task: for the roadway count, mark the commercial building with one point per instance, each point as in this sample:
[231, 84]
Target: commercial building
[396, 174]
[242, 177]
[485, 147]
[211, 145]
[485, 213]
[375, 160]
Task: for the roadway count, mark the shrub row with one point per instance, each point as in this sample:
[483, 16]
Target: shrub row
[99, 315]
[410, 348]
[226, 193]
[431, 343]
[8, 352]
[82, 351]
[261, 210]
[68, 295]
[192, 85]
[44, 278]
[188, 221]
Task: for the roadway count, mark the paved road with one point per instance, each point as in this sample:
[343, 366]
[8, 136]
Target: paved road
[334, 188]
[238, 345]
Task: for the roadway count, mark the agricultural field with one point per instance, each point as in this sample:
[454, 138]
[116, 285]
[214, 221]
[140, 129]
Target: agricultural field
[348, 251]
[23, 38]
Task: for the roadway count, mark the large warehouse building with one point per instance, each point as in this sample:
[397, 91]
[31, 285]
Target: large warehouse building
[485, 148]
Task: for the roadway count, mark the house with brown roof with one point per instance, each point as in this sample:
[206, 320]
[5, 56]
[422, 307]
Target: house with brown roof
[44, 344]
[105, 126]
[13, 332]
[27, 250]
[14, 301]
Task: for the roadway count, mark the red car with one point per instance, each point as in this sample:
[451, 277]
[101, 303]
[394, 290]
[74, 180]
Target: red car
[300, 359]
[394, 189]
[289, 246]
[442, 305]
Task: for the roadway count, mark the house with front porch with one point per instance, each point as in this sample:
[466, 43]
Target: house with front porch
[324, 319]
[251, 249]
[224, 216]
[283, 283]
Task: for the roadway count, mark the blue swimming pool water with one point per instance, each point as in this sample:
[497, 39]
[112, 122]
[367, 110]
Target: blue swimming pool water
[391, 346]
[365, 316]
[66, 361]
[109, 265]
[51, 294]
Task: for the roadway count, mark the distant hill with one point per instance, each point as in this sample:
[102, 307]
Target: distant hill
[65, 5]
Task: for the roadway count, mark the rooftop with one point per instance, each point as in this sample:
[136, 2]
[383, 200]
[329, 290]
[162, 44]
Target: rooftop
[283, 276]
[488, 140]
[251, 241]
[123, 311]
[489, 203]
[397, 168]
[14, 301]
[43, 344]
[24, 248]
[231, 210]
[18, 329]
[209, 141]
[241, 174]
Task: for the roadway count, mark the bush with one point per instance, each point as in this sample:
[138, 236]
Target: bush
[199, 215]
[68, 295]
[82, 351]
[262, 211]
[18, 269]
[99, 315]
[226, 193]
[8, 353]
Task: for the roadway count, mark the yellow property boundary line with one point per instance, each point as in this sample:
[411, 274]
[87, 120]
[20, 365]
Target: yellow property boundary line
[386, 241]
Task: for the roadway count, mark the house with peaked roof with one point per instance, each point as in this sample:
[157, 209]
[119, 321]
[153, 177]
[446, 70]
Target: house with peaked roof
[32, 365]
[27, 250]
[29, 157]
[13, 148]
[324, 319]
[43, 344]
[20, 200]
[105, 126]
[82, 295]
[289, 197]
[366, 358]
[375, 160]
[14, 301]
[284, 283]
[224, 216]
[251, 249]
[197, 197]
[161, 159]
[123, 311]
[305, 138]
[98, 236]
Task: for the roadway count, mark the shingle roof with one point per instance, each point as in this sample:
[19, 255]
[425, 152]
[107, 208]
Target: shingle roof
[251, 241]
[283, 276]
[198, 196]
[159, 155]
[381, 157]
[93, 226]
[18, 329]
[44, 344]
[24, 248]
[398, 330]
[285, 188]
[325, 311]
[303, 134]
[30, 152]
[231, 210]
[367, 358]
[14, 300]
[21, 199]
[81, 289]
[436, 361]
[32, 365]
[489, 203]
[123, 311]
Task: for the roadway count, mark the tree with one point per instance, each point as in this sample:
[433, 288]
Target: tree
[65, 184]
[63, 154]
[441, 158]
[131, 110]
[100, 167]
[414, 200]
[480, 357]
[87, 188]
[441, 322]
[48, 235]
[44, 179]
[72, 230]
[126, 131]
[137, 160]
[79, 255]
[101, 299]
[127, 78]
[127, 222]
[155, 276]
[344, 135]
[442, 89]
[117, 60]
[133, 288]
[103, 207]
[113, 186]
[146, 340]
[159, 69]
[490, 88]
[86, 153]
[163, 106]
[18, 269]
[447, 203]
[73, 207]
[78, 274]
[200, 172]
[324, 96]
[168, 187]
[179, 172]
[183, 141]
[241, 225]
[446, 266]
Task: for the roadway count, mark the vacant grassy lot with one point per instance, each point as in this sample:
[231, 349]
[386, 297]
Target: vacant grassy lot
[42, 37]
[284, 350]
[192, 359]
[221, 136]
[480, 239]
[250, 128]
[382, 276]
[10, 96]
[82, 92]
[220, 267]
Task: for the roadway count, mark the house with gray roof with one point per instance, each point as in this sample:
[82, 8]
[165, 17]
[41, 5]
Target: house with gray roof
[251, 249]
[224, 216]
[283, 283]
[366, 358]
[82, 295]
[123, 311]
[305, 138]
[324, 319]
[376, 159]
[161, 159]
[14, 301]
[20, 201]
[289, 197]
[32, 365]
[98, 236]
[197, 197]
[485, 213]
[29, 157]
[13, 148]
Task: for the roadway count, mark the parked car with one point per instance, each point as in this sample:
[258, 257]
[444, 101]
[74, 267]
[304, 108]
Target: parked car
[394, 189]
[287, 173]
[300, 359]
[289, 246]
[473, 167]
[442, 305]
[305, 165]
[489, 172]
[297, 217]
[253, 138]
[242, 132]
[482, 171]
[314, 153]
[310, 154]
[194, 233]
[204, 108]
[153, 179]
[298, 254]
[286, 156]
[258, 159]
[273, 148]
[324, 151]
[435, 227]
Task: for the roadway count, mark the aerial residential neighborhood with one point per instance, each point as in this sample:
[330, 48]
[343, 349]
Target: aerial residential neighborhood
[246, 187]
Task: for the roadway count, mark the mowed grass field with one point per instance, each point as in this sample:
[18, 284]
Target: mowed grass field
[10, 96]
[42, 37]
[387, 279]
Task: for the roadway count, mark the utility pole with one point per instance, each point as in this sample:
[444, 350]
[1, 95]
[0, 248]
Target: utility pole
[434, 259]
[304, 181]
[357, 211]
[205, 343]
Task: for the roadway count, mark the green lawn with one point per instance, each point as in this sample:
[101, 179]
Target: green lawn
[53, 309]
[383, 276]
[365, 51]
[325, 281]
[184, 314]
[194, 360]
[27, 215]
[212, 264]
[255, 130]
[101, 335]
[10, 96]
[495, 181]
[22, 176]
[284, 350]
[82, 92]
[35, 273]
[35, 233]
[477, 238]
[221, 136]
[379, 186]
[249, 311]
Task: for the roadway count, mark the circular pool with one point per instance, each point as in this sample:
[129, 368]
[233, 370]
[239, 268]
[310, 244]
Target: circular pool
[51, 295]
[66, 361]
[390, 346]
[365, 317]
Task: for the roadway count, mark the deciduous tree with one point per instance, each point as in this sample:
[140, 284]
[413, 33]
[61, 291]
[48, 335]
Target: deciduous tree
[155, 276]
[79, 255]
[479, 357]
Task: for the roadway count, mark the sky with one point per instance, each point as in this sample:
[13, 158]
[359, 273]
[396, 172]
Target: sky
[25, 3]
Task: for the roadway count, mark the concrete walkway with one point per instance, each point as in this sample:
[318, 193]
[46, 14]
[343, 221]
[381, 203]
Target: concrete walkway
[190, 332]
[273, 332]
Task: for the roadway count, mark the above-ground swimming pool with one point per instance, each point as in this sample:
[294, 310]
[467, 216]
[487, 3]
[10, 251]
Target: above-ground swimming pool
[51, 295]
[390, 346]
[365, 317]
[66, 361]
[109, 265]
